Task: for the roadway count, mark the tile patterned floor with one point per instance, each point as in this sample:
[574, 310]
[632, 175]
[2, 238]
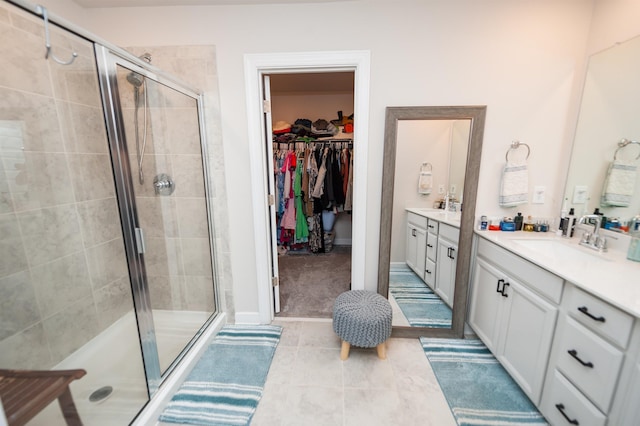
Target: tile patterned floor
[308, 384]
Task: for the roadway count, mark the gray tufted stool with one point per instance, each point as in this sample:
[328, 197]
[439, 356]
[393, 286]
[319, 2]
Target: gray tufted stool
[362, 318]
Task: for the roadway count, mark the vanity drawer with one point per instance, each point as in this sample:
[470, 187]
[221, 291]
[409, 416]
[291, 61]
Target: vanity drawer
[430, 273]
[449, 232]
[433, 226]
[432, 246]
[417, 220]
[539, 280]
[562, 404]
[589, 362]
[606, 320]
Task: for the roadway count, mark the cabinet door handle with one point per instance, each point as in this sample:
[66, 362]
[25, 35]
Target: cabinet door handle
[560, 408]
[504, 287]
[413, 232]
[428, 272]
[429, 245]
[585, 311]
[450, 254]
[500, 281]
[574, 354]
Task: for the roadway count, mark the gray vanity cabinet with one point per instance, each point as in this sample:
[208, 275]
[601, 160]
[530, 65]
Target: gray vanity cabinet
[447, 259]
[513, 309]
[416, 243]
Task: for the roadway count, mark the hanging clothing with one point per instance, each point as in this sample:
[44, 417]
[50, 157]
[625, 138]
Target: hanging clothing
[348, 202]
[302, 232]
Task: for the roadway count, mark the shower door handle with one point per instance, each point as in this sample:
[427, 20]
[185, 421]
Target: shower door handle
[140, 241]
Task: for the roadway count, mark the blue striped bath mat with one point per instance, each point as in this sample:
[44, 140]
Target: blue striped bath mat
[226, 384]
[479, 391]
[419, 304]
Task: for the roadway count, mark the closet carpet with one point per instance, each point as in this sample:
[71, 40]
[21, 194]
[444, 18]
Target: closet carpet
[310, 283]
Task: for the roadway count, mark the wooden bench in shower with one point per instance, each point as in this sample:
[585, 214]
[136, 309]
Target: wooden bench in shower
[24, 393]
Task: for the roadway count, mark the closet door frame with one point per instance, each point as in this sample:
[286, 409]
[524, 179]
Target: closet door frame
[258, 65]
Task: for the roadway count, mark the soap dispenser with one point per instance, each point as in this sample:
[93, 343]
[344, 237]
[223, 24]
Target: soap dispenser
[634, 246]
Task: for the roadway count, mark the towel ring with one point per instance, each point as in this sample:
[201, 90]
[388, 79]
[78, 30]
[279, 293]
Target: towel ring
[623, 143]
[423, 167]
[515, 145]
[47, 39]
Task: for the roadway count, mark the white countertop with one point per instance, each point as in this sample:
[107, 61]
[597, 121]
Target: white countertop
[609, 276]
[450, 218]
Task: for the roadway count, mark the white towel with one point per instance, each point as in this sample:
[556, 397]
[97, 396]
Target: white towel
[514, 187]
[425, 183]
[619, 184]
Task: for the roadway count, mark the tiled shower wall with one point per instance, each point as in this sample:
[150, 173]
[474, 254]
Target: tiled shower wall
[195, 65]
[63, 274]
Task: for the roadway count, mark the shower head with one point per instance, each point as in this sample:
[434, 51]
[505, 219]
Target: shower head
[135, 79]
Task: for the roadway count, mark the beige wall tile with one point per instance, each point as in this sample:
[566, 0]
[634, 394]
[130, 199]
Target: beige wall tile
[188, 175]
[182, 131]
[71, 328]
[113, 301]
[160, 292]
[26, 350]
[92, 176]
[198, 294]
[41, 131]
[38, 180]
[18, 306]
[157, 216]
[197, 257]
[61, 283]
[50, 233]
[192, 217]
[107, 263]
[83, 128]
[163, 257]
[100, 221]
[13, 257]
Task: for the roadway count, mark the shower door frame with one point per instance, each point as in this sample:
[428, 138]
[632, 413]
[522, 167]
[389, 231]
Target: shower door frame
[107, 61]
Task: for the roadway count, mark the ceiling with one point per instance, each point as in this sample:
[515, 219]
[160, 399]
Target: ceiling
[150, 3]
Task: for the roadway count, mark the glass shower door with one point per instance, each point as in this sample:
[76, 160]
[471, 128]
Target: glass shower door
[164, 183]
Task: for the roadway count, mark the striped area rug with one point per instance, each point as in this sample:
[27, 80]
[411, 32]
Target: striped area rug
[419, 304]
[479, 391]
[226, 384]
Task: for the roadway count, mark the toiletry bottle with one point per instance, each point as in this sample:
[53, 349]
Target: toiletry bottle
[634, 247]
[564, 220]
[518, 221]
[571, 222]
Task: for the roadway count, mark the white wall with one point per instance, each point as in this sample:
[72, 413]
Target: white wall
[518, 58]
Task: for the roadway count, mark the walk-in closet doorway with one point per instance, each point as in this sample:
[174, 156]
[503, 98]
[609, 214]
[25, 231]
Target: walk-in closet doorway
[260, 70]
[311, 153]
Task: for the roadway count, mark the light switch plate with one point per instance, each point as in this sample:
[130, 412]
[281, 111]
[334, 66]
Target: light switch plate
[580, 194]
[441, 189]
[538, 195]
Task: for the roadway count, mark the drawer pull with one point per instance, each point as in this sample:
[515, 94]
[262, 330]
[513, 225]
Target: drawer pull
[500, 281]
[560, 408]
[504, 287]
[431, 226]
[585, 311]
[429, 245]
[428, 271]
[574, 354]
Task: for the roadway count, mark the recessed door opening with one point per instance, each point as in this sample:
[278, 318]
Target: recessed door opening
[310, 137]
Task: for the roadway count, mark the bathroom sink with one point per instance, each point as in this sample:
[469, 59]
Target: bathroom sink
[560, 250]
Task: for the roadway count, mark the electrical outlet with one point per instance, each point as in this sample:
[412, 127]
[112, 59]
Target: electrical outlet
[538, 195]
[441, 188]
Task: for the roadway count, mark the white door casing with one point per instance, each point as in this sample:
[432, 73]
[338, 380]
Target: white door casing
[255, 67]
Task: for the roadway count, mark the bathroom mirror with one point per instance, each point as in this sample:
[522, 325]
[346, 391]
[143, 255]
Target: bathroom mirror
[608, 114]
[402, 126]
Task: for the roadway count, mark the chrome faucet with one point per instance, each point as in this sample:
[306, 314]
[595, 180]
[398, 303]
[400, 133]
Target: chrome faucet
[593, 240]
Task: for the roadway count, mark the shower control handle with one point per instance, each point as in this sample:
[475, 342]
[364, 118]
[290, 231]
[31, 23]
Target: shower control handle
[163, 184]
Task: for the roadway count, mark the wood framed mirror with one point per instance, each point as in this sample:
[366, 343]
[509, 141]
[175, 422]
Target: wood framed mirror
[401, 124]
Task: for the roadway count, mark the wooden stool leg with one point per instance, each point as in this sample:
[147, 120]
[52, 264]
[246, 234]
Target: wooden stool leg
[382, 351]
[69, 408]
[344, 351]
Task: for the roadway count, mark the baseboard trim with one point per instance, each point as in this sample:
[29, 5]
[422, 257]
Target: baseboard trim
[342, 242]
[248, 318]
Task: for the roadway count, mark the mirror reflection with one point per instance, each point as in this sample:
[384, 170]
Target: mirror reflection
[428, 182]
[603, 172]
[429, 189]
